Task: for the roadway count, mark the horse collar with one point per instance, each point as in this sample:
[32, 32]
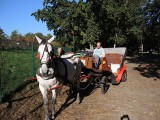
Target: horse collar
[45, 76]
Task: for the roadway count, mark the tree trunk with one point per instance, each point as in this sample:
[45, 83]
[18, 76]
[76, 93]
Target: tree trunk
[115, 45]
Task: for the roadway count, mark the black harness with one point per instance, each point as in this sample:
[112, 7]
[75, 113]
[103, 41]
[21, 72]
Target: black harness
[52, 63]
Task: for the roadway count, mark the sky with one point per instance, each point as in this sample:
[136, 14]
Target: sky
[16, 15]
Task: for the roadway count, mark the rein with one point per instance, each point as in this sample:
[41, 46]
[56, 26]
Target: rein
[48, 76]
[45, 49]
[50, 62]
[51, 55]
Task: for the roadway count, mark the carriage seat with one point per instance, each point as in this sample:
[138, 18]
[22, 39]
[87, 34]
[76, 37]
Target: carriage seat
[114, 60]
[67, 55]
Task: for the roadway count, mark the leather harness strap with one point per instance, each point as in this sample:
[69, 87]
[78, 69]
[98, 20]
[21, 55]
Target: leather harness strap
[65, 66]
[45, 76]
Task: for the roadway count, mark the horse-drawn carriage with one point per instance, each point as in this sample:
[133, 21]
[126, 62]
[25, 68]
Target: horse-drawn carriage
[54, 71]
[111, 69]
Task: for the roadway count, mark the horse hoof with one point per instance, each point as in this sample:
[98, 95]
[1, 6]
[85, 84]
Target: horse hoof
[47, 119]
[53, 117]
[78, 101]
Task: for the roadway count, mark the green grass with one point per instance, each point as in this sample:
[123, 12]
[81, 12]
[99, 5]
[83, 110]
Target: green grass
[16, 66]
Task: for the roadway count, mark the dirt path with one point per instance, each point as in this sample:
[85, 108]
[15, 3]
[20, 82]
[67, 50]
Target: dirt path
[136, 99]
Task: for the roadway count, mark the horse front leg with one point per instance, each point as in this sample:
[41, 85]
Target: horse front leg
[78, 100]
[45, 101]
[54, 96]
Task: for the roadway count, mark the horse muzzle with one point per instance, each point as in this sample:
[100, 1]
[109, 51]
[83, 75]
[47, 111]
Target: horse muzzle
[44, 68]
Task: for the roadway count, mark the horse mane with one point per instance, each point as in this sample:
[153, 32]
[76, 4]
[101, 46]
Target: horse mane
[44, 41]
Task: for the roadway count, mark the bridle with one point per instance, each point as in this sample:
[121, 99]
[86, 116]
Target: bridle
[49, 53]
[50, 63]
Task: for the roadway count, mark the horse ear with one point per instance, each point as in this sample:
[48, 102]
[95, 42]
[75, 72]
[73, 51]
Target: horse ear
[50, 40]
[38, 39]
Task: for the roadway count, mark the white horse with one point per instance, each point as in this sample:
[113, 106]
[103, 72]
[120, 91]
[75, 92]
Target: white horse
[53, 71]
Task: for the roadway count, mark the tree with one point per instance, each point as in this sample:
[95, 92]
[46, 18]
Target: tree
[16, 36]
[29, 37]
[40, 35]
[152, 25]
[3, 38]
[17, 40]
[110, 21]
[48, 36]
[64, 17]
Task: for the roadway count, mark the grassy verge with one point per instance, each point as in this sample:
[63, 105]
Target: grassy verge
[15, 67]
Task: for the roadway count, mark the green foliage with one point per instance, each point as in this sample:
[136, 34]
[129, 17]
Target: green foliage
[16, 65]
[48, 36]
[108, 21]
[29, 37]
[64, 17]
[152, 25]
[16, 36]
[19, 41]
[40, 35]
[3, 36]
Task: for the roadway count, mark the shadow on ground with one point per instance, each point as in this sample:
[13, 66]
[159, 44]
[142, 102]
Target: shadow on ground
[125, 117]
[71, 97]
[148, 65]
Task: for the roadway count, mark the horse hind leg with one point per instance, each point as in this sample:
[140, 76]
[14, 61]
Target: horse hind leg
[45, 101]
[77, 78]
[78, 100]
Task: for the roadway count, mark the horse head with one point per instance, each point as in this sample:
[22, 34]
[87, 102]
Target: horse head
[45, 52]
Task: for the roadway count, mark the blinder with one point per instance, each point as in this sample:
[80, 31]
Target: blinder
[51, 54]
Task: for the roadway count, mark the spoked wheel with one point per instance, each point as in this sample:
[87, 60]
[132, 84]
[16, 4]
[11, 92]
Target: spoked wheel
[104, 85]
[124, 76]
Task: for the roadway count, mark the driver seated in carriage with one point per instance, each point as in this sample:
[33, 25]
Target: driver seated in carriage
[98, 55]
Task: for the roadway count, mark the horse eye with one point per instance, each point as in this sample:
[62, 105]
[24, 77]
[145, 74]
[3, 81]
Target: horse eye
[52, 52]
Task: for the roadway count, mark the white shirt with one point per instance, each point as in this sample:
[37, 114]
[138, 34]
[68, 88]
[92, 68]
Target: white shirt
[99, 52]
